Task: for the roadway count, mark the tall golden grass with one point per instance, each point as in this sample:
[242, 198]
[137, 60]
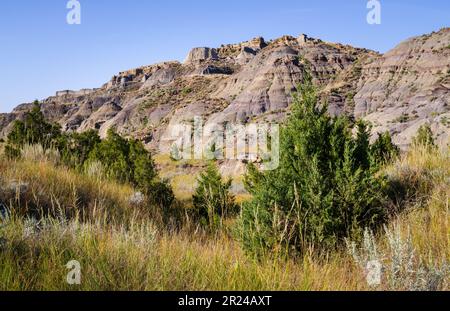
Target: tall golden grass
[122, 246]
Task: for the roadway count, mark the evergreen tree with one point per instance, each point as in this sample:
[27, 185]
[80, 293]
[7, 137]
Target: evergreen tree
[76, 147]
[325, 188]
[212, 199]
[129, 161]
[383, 150]
[113, 152]
[34, 129]
[425, 137]
[124, 160]
[362, 147]
[141, 162]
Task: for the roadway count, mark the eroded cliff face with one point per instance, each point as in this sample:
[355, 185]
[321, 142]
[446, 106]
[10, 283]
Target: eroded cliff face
[407, 87]
[253, 80]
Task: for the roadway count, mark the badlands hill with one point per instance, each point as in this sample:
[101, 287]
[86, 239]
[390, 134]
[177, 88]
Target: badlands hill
[252, 81]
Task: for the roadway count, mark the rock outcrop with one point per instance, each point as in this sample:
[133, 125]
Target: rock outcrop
[407, 87]
[253, 80]
[197, 55]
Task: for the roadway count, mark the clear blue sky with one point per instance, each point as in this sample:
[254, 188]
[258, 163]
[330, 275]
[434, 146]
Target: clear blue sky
[40, 53]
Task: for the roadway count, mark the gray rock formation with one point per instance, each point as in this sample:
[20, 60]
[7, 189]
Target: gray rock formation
[407, 87]
[253, 80]
[201, 54]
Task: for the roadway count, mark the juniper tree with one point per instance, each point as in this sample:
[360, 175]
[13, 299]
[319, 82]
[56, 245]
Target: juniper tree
[383, 150]
[128, 161]
[425, 137]
[34, 129]
[212, 199]
[325, 188]
[76, 147]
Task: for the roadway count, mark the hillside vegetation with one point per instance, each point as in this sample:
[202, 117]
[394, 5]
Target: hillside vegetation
[337, 203]
[137, 253]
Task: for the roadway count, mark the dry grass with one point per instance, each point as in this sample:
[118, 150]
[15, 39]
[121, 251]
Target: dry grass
[184, 186]
[427, 218]
[126, 247]
[45, 189]
[417, 239]
[142, 259]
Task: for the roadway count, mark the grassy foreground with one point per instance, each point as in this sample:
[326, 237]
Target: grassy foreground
[124, 245]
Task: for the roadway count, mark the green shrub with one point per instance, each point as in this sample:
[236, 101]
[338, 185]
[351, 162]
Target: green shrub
[142, 165]
[12, 152]
[212, 199]
[185, 91]
[113, 152]
[76, 147]
[33, 130]
[324, 190]
[129, 161]
[125, 160]
[424, 137]
[161, 194]
[145, 177]
[383, 150]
